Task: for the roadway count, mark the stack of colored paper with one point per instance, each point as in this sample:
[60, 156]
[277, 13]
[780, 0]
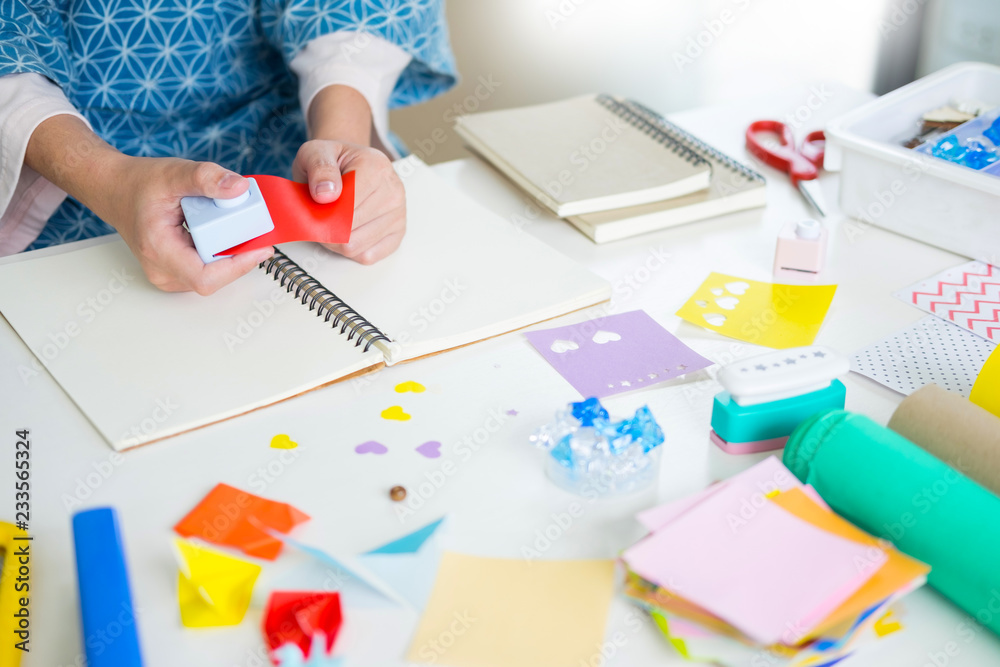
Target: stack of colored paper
[758, 565]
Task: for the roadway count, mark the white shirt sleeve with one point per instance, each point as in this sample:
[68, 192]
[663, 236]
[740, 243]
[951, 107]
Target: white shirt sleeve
[27, 200]
[368, 64]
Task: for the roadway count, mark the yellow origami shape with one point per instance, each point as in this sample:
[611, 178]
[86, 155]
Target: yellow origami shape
[213, 589]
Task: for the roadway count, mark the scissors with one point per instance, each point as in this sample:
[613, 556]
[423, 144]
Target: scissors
[802, 165]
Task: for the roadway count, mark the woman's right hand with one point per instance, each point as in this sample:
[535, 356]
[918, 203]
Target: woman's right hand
[140, 197]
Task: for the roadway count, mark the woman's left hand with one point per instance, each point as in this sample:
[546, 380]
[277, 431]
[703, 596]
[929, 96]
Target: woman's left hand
[379, 198]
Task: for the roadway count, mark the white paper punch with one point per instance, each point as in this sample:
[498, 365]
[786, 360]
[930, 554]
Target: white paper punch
[782, 374]
[219, 224]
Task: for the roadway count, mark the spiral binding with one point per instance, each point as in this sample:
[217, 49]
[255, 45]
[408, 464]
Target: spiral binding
[291, 276]
[688, 140]
[657, 133]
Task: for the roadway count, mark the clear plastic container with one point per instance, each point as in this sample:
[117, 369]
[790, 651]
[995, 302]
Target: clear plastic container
[902, 190]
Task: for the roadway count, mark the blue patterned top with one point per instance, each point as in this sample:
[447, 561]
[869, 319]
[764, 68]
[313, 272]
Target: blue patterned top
[203, 79]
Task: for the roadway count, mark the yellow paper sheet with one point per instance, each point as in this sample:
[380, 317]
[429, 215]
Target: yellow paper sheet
[213, 589]
[494, 612]
[773, 315]
[986, 391]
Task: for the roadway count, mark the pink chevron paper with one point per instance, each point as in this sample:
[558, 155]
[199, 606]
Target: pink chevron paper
[967, 295]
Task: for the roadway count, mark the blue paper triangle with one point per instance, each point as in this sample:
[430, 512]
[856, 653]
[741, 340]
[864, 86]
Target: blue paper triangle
[409, 544]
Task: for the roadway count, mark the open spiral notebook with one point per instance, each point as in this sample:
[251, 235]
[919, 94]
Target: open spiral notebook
[143, 365]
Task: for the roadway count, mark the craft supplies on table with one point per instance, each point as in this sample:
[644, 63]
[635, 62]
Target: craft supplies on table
[884, 184]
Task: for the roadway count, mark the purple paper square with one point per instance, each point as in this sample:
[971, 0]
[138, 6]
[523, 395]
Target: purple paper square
[615, 354]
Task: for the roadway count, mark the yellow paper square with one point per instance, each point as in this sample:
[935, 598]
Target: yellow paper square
[494, 612]
[772, 315]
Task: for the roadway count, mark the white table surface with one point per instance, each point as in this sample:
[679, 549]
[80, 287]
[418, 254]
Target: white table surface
[498, 497]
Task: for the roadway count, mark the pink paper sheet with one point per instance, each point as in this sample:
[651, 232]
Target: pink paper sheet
[747, 560]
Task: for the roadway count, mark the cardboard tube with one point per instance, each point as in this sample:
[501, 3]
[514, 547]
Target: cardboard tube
[957, 431]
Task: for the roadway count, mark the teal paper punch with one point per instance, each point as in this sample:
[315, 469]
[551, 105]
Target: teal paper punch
[767, 396]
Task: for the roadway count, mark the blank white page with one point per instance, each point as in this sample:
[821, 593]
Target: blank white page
[144, 364]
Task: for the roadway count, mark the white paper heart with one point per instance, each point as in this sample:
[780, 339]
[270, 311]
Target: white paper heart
[561, 346]
[739, 287]
[602, 337]
[717, 291]
[727, 302]
[703, 304]
[715, 319]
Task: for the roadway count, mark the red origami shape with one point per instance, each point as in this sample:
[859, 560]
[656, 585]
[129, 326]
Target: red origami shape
[295, 616]
[234, 518]
[297, 217]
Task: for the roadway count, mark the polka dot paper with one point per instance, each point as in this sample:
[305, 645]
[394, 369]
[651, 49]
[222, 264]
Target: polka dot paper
[932, 350]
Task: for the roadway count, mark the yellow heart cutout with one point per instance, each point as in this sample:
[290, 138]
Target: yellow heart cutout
[395, 412]
[282, 441]
[415, 387]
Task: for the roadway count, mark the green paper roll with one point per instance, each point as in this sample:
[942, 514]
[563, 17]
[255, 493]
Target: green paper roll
[885, 484]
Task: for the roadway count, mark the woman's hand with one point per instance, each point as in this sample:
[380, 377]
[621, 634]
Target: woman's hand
[379, 198]
[140, 197]
[147, 213]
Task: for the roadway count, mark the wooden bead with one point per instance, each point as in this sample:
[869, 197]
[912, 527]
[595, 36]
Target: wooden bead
[397, 493]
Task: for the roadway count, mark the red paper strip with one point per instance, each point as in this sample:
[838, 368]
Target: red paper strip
[294, 616]
[298, 218]
[235, 518]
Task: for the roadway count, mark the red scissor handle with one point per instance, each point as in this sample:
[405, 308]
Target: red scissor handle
[801, 165]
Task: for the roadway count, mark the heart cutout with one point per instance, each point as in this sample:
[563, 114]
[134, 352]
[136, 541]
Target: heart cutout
[282, 441]
[602, 337]
[415, 387]
[717, 291]
[715, 319]
[371, 447]
[560, 346]
[430, 449]
[727, 302]
[396, 413]
[739, 287]
[700, 302]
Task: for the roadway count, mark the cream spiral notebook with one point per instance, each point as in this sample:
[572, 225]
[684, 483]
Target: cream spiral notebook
[585, 154]
[142, 364]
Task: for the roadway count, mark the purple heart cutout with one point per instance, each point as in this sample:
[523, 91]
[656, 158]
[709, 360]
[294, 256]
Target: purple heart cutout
[371, 447]
[430, 449]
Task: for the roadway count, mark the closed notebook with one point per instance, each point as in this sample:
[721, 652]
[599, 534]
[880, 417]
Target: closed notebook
[143, 364]
[585, 154]
[734, 187]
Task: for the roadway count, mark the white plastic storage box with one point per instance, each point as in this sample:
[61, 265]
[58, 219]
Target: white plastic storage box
[920, 196]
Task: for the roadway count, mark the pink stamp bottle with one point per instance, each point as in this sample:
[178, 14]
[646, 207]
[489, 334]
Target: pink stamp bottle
[801, 250]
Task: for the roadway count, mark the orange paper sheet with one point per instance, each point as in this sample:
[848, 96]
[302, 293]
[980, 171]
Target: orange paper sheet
[897, 572]
[234, 518]
[298, 218]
